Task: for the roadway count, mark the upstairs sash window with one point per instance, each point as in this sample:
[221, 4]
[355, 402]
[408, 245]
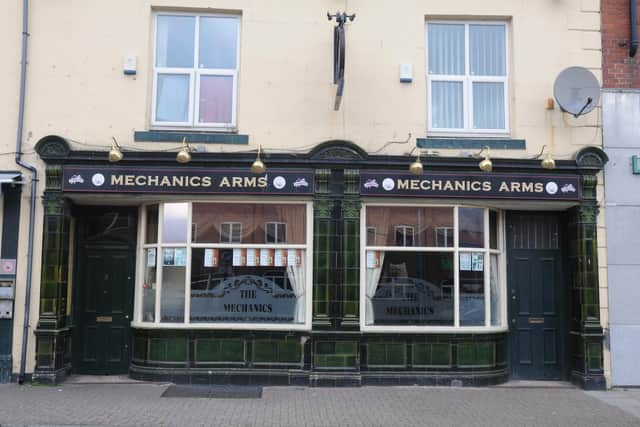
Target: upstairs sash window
[195, 70]
[467, 77]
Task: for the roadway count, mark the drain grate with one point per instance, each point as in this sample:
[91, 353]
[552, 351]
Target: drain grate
[214, 392]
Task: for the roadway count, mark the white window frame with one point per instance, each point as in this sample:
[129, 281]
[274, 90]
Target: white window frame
[141, 264]
[278, 225]
[455, 250]
[467, 81]
[194, 73]
[231, 226]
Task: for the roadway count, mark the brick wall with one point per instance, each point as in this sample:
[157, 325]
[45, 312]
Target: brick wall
[619, 70]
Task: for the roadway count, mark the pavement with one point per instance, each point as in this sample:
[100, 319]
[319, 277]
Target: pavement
[142, 404]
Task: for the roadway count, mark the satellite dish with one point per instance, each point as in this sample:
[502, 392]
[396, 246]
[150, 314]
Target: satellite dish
[576, 90]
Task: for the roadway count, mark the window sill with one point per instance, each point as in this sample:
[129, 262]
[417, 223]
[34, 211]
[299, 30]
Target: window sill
[471, 142]
[193, 136]
[243, 326]
[434, 329]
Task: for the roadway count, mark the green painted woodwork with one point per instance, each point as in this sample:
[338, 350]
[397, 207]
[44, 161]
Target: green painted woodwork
[586, 332]
[192, 137]
[219, 350]
[272, 351]
[432, 355]
[336, 354]
[476, 354]
[173, 349]
[382, 354]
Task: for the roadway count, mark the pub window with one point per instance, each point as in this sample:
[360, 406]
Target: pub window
[246, 265]
[450, 277]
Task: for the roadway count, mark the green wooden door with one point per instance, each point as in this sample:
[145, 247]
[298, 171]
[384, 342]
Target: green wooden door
[536, 298]
[103, 291]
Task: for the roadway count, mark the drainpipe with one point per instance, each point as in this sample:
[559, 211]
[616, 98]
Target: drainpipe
[633, 18]
[34, 182]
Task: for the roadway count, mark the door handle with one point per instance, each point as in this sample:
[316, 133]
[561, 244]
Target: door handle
[126, 316]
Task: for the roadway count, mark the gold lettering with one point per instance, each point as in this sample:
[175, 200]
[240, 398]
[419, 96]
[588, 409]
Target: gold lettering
[141, 180]
[249, 181]
[436, 185]
[539, 187]
[403, 184]
[515, 187]
[224, 182]
[504, 187]
[152, 180]
[425, 184]
[206, 181]
[236, 181]
[177, 181]
[194, 181]
[475, 186]
[117, 180]
[165, 181]
[448, 186]
[461, 185]
[415, 184]
[486, 186]
[527, 186]
[262, 182]
[129, 179]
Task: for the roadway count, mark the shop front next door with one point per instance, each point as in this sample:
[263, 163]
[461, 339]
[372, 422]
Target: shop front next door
[536, 292]
[104, 292]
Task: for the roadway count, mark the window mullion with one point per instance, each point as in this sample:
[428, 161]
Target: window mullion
[466, 102]
[487, 269]
[187, 270]
[456, 271]
[195, 87]
[159, 262]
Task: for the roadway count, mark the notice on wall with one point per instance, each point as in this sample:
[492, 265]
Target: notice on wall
[465, 262]
[294, 257]
[373, 259]
[477, 262]
[180, 257]
[266, 257]
[151, 257]
[168, 257]
[280, 258]
[239, 257]
[252, 258]
[211, 257]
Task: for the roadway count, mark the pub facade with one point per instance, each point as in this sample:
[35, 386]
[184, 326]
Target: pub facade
[261, 212]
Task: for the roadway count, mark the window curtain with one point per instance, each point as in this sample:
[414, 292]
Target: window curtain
[172, 98]
[373, 278]
[295, 274]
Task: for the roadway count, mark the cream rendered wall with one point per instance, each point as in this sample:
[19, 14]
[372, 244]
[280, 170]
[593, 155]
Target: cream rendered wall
[76, 88]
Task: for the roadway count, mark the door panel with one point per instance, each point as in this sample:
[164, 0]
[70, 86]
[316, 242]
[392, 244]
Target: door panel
[536, 297]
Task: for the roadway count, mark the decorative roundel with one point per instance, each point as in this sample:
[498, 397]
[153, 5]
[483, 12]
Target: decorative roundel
[97, 179]
[388, 184]
[279, 182]
[551, 187]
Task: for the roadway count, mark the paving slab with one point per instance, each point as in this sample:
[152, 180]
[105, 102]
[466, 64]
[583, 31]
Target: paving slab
[142, 405]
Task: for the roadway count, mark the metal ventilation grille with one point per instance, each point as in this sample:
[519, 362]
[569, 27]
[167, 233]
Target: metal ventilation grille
[533, 231]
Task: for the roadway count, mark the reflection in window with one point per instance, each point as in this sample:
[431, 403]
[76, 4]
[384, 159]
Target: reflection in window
[404, 235]
[471, 289]
[229, 281]
[247, 285]
[471, 227]
[173, 282]
[387, 220]
[230, 232]
[417, 286]
[209, 217]
[174, 222]
[409, 288]
[275, 232]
